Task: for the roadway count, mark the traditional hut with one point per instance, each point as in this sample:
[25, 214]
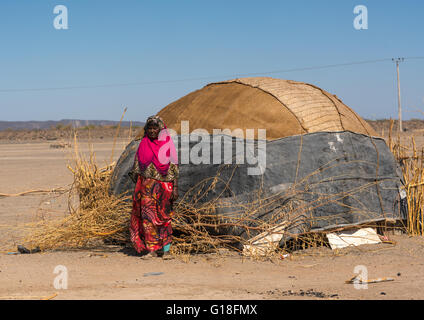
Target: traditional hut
[317, 153]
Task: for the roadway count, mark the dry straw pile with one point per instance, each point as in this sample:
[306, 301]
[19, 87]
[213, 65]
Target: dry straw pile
[97, 215]
[411, 161]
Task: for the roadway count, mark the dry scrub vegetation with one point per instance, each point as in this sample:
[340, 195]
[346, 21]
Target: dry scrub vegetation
[411, 161]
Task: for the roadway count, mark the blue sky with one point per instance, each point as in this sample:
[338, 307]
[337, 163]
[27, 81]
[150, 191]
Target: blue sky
[138, 41]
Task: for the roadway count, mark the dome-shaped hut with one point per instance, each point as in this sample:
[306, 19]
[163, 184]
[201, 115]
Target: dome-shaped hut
[317, 152]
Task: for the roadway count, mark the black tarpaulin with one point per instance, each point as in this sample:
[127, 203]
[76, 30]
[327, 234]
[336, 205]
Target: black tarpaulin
[338, 179]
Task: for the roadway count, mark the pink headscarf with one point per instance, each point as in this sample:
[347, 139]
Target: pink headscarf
[161, 152]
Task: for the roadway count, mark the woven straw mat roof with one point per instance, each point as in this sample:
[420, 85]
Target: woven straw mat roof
[282, 107]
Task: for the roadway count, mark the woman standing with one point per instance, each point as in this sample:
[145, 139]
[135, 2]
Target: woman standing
[155, 190]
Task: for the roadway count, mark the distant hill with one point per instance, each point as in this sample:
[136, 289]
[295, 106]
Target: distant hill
[382, 125]
[31, 125]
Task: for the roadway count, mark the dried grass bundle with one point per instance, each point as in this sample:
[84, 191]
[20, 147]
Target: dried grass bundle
[411, 161]
[97, 217]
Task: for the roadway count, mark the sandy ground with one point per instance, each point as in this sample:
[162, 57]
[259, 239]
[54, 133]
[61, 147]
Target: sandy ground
[117, 273]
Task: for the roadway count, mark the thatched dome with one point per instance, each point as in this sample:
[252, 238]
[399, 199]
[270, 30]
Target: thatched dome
[282, 107]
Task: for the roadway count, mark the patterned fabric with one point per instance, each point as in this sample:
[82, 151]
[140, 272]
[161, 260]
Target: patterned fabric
[135, 171]
[160, 151]
[152, 173]
[150, 227]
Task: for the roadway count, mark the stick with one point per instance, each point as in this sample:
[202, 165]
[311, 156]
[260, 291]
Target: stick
[2, 195]
[50, 297]
[360, 281]
[116, 135]
[29, 297]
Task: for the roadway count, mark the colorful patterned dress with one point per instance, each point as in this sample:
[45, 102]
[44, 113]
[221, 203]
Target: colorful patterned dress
[150, 227]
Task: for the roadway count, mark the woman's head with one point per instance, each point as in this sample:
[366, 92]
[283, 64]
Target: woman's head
[152, 131]
[156, 146]
[153, 126]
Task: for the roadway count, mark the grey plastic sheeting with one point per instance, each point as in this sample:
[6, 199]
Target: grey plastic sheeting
[344, 179]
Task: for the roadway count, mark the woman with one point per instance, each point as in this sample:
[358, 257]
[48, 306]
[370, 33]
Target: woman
[155, 190]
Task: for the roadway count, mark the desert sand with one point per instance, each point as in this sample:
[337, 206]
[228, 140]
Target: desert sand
[117, 273]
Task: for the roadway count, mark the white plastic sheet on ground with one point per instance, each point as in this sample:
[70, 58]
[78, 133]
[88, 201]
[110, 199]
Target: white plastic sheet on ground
[265, 242]
[353, 238]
